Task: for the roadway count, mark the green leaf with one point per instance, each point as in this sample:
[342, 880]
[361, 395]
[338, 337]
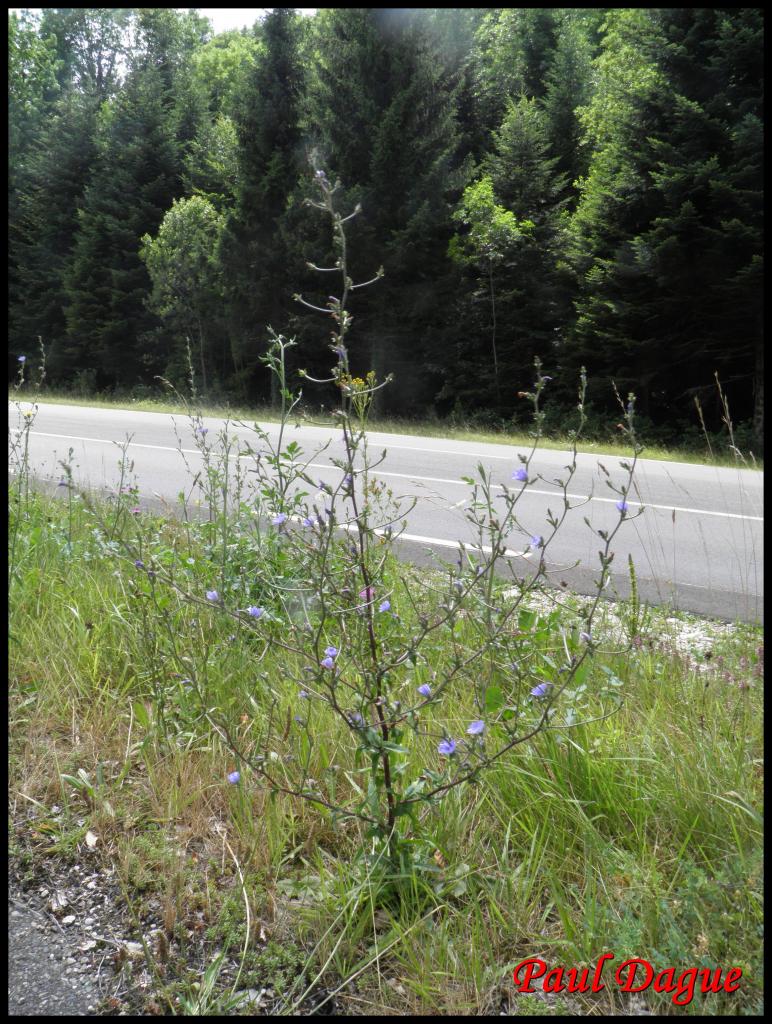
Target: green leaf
[494, 699]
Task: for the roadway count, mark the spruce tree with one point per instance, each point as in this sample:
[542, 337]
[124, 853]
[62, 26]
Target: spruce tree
[383, 108]
[668, 227]
[269, 161]
[136, 177]
[57, 174]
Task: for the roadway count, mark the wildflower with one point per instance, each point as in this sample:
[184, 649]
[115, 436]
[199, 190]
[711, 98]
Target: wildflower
[139, 564]
[347, 480]
[447, 747]
[476, 728]
[384, 606]
[233, 778]
[622, 505]
[585, 636]
[203, 431]
[520, 474]
[537, 542]
[256, 613]
[303, 695]
[22, 359]
[62, 483]
[541, 690]
[308, 521]
[331, 652]
[327, 663]
[212, 595]
[425, 690]
[355, 718]
[135, 511]
[367, 594]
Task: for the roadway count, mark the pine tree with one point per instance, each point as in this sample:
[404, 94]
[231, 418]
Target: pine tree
[568, 86]
[269, 160]
[669, 220]
[523, 292]
[56, 179]
[32, 93]
[136, 177]
[383, 108]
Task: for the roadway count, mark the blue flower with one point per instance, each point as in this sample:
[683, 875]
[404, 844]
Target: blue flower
[139, 564]
[537, 542]
[212, 595]
[308, 521]
[585, 636]
[303, 695]
[384, 606]
[22, 359]
[233, 777]
[476, 728]
[541, 690]
[425, 690]
[622, 506]
[256, 613]
[279, 519]
[355, 718]
[327, 663]
[520, 474]
[331, 652]
[447, 747]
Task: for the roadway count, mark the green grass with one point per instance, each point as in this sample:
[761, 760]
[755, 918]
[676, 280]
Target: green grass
[638, 834]
[423, 428]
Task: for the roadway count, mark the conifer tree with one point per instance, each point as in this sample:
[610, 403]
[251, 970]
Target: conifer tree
[136, 177]
[669, 220]
[56, 178]
[383, 108]
[269, 161]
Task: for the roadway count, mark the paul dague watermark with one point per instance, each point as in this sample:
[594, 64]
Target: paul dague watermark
[630, 976]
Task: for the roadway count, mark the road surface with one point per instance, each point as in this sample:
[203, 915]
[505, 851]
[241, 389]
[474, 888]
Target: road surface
[698, 545]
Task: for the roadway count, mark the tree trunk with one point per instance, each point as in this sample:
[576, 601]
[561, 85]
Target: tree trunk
[758, 395]
[203, 362]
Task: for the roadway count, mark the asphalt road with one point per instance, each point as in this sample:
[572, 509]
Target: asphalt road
[698, 544]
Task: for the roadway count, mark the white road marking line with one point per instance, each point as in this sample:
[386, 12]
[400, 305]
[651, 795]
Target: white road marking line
[439, 542]
[420, 479]
[268, 425]
[119, 444]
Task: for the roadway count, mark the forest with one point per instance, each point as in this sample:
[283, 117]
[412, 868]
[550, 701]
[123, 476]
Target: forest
[578, 185]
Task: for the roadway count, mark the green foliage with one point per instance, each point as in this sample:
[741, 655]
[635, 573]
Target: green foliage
[267, 119]
[491, 229]
[629, 137]
[182, 261]
[668, 224]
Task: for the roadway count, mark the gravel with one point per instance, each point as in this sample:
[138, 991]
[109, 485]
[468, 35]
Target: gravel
[45, 977]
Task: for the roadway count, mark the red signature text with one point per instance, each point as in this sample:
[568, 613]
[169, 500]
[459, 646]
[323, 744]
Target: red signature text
[634, 975]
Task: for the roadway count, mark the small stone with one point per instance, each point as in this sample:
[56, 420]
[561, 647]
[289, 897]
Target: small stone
[70, 919]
